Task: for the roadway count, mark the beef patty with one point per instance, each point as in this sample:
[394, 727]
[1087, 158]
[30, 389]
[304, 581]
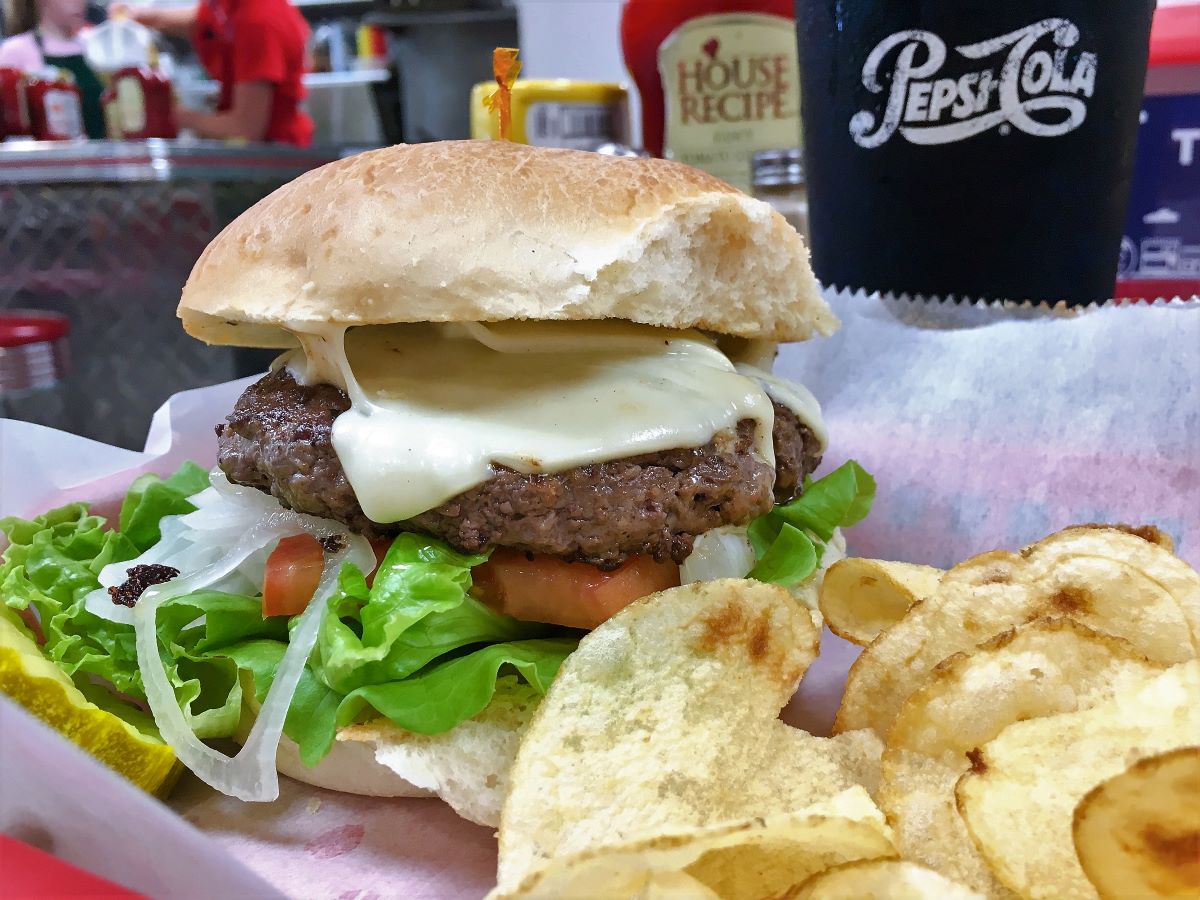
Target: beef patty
[278, 439]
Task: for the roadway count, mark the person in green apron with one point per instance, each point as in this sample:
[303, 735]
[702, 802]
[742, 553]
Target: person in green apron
[46, 33]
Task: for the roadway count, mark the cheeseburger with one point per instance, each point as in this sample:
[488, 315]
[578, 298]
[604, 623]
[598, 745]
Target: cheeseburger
[517, 390]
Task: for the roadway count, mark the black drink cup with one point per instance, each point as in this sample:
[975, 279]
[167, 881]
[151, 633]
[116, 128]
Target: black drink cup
[971, 149]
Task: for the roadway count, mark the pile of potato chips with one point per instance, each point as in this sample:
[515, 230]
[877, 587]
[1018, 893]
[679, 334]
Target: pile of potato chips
[1023, 724]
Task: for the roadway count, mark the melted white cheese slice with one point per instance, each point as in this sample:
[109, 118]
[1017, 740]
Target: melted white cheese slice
[435, 407]
[793, 396]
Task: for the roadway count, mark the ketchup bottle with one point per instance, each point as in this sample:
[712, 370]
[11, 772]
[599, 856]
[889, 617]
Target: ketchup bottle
[719, 79]
[138, 104]
[14, 111]
[54, 107]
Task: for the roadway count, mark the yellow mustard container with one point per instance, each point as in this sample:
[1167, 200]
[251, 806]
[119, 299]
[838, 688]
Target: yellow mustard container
[556, 112]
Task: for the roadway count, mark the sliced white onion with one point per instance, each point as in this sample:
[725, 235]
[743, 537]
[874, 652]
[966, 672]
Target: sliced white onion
[188, 543]
[720, 553]
[223, 545]
[99, 603]
[835, 549]
[727, 553]
[808, 591]
[251, 774]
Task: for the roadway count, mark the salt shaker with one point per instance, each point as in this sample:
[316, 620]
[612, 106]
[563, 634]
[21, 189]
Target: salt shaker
[778, 177]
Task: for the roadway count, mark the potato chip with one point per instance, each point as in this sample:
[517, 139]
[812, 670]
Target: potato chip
[1151, 533]
[1043, 668]
[816, 768]
[659, 747]
[1110, 579]
[467, 766]
[862, 597]
[609, 873]
[1023, 787]
[860, 754]
[791, 847]
[658, 722]
[917, 794]
[1138, 834]
[740, 860]
[882, 879]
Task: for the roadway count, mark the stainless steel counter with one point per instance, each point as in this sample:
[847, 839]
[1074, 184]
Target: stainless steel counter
[106, 234]
[72, 162]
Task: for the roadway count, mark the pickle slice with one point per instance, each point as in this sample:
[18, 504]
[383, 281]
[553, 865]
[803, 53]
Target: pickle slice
[45, 690]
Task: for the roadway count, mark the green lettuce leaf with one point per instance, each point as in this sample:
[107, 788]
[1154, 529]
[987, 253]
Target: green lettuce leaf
[414, 646]
[151, 498]
[430, 701]
[790, 558]
[197, 656]
[380, 648]
[840, 499]
[790, 540]
[54, 560]
[417, 610]
[50, 565]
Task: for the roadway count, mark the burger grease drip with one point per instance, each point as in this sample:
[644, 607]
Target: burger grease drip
[434, 408]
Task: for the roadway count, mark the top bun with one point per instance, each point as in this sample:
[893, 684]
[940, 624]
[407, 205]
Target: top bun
[486, 231]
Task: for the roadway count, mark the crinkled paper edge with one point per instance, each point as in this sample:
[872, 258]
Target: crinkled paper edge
[954, 311]
[848, 293]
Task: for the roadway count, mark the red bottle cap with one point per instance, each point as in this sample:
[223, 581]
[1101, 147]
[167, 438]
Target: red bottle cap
[19, 327]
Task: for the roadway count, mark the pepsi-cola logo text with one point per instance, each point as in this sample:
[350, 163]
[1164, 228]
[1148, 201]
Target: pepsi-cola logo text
[1037, 86]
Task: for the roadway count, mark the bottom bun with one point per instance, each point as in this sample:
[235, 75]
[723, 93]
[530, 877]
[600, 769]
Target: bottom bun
[467, 766]
[348, 767]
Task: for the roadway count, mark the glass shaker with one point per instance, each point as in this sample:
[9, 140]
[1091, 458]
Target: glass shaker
[778, 178]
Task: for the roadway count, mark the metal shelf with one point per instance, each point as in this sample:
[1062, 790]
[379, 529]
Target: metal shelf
[341, 79]
[417, 17]
[338, 5]
[65, 162]
[334, 5]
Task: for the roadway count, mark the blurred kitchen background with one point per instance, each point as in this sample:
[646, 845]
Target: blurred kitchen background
[97, 237]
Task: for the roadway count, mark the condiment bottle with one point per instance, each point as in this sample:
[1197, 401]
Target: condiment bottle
[138, 104]
[557, 112]
[14, 110]
[779, 180]
[719, 79]
[54, 107]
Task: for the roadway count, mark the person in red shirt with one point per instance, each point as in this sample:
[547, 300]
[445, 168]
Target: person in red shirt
[256, 50]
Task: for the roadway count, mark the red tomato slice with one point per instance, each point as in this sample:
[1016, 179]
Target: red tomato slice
[294, 571]
[29, 617]
[379, 547]
[578, 595]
